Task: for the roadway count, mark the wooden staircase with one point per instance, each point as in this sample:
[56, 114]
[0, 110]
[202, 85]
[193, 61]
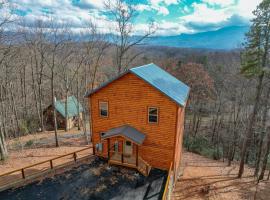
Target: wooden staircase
[143, 166]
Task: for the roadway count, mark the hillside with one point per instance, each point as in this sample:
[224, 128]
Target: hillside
[225, 38]
[205, 178]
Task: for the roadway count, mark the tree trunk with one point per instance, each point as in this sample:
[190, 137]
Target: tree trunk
[263, 130]
[66, 111]
[250, 125]
[54, 110]
[265, 157]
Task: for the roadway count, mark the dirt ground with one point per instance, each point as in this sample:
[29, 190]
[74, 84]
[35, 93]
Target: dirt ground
[204, 178]
[35, 148]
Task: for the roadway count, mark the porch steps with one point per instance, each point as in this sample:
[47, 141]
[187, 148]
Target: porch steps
[144, 167]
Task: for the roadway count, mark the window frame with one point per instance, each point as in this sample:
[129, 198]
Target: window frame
[99, 108]
[148, 114]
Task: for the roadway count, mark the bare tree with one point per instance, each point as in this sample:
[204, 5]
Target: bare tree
[57, 41]
[123, 14]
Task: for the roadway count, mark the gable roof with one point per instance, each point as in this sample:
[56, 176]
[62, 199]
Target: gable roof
[127, 132]
[71, 107]
[159, 79]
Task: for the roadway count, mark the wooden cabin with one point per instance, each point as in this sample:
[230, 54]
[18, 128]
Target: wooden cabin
[138, 119]
[72, 111]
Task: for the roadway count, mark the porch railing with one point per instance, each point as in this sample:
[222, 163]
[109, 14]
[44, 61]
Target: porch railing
[130, 161]
[169, 185]
[30, 172]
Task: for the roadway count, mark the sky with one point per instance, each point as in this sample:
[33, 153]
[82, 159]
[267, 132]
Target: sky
[172, 17]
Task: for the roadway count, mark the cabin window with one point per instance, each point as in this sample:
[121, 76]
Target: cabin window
[103, 109]
[152, 115]
[101, 135]
[99, 147]
[116, 147]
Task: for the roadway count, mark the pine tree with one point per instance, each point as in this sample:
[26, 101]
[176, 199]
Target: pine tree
[254, 65]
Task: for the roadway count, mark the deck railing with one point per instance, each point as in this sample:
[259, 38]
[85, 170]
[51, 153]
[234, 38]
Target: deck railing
[130, 161]
[14, 177]
[169, 185]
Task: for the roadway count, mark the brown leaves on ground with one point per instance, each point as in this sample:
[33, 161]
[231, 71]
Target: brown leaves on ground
[204, 178]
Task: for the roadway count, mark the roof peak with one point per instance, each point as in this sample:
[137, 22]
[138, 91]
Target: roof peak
[160, 79]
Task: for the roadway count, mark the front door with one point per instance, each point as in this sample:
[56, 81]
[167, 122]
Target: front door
[128, 148]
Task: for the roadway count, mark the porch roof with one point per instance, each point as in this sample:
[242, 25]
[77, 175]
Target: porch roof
[126, 131]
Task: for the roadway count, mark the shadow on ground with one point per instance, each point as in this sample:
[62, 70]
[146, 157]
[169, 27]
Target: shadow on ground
[93, 181]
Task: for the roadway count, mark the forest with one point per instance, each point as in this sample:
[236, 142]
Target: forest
[227, 115]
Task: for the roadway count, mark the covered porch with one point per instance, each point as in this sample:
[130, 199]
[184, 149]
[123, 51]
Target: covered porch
[123, 145]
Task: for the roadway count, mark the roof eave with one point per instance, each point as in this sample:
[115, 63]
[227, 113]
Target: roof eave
[90, 92]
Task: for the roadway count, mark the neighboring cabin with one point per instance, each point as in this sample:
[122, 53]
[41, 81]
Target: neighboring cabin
[138, 119]
[72, 111]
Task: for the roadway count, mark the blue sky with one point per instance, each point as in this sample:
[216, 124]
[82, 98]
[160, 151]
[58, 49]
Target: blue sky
[173, 17]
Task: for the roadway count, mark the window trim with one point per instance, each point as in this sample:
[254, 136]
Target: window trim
[99, 108]
[148, 114]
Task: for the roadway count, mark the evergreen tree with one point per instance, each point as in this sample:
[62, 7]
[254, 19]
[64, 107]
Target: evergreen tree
[255, 61]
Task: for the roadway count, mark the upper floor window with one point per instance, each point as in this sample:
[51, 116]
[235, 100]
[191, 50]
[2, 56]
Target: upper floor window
[153, 115]
[103, 109]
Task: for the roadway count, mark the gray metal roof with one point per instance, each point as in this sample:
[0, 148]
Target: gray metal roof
[164, 82]
[158, 78]
[126, 131]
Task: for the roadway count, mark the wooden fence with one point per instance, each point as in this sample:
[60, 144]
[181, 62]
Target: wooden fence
[169, 185]
[31, 172]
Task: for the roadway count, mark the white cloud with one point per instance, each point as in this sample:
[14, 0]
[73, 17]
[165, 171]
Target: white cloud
[220, 2]
[245, 8]
[161, 6]
[203, 14]
[143, 7]
[162, 10]
[166, 2]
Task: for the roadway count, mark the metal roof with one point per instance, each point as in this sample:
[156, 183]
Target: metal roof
[126, 131]
[164, 82]
[158, 78]
[71, 107]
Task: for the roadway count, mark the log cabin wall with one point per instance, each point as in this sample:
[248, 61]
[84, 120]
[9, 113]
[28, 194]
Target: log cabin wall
[129, 98]
[179, 140]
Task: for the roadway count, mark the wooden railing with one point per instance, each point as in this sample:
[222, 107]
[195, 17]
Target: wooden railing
[169, 185]
[12, 178]
[130, 161]
[144, 167]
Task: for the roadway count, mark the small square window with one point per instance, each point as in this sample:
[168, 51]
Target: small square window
[128, 143]
[152, 115]
[103, 109]
[101, 134]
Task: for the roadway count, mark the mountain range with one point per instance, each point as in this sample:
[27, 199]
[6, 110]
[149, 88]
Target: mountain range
[223, 39]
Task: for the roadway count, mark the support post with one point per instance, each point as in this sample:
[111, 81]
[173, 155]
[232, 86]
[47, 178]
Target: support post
[137, 154]
[23, 174]
[75, 156]
[122, 154]
[51, 164]
[108, 148]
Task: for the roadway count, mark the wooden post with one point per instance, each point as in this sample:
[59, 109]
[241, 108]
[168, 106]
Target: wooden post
[137, 154]
[51, 164]
[122, 154]
[108, 148]
[23, 174]
[94, 148]
[75, 156]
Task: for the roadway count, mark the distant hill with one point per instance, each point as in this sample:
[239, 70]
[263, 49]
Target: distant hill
[226, 38]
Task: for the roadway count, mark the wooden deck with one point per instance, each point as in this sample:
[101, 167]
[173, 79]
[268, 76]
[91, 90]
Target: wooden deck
[118, 158]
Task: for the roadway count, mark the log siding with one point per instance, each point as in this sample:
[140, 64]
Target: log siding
[129, 98]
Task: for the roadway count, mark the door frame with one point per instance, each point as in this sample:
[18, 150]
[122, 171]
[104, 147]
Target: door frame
[131, 147]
